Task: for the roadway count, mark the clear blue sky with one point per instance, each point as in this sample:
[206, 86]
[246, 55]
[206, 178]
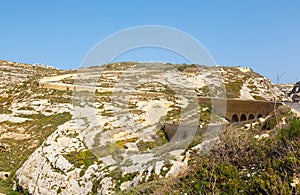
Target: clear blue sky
[261, 34]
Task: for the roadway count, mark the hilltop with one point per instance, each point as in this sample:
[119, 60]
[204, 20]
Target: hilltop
[98, 129]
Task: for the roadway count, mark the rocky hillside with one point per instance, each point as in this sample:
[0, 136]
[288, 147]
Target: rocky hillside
[243, 83]
[294, 94]
[107, 136]
[239, 82]
[28, 115]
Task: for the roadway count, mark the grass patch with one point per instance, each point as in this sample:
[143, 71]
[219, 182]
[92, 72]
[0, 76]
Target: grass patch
[122, 143]
[111, 148]
[259, 98]
[233, 89]
[118, 178]
[21, 150]
[81, 159]
[173, 114]
[160, 140]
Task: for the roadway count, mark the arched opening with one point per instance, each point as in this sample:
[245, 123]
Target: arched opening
[243, 117]
[68, 89]
[235, 118]
[251, 117]
[259, 116]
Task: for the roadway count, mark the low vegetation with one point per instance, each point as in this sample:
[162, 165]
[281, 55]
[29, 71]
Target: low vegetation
[81, 159]
[233, 89]
[240, 164]
[20, 150]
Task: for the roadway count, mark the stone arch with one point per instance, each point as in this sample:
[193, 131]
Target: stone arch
[235, 118]
[243, 117]
[251, 117]
[259, 116]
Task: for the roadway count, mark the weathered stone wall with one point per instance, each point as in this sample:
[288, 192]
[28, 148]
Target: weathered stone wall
[243, 109]
[182, 131]
[63, 87]
[70, 87]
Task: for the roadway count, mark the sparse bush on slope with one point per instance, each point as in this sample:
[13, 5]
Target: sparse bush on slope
[240, 164]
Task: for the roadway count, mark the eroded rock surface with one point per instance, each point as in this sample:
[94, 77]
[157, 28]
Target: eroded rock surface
[106, 136]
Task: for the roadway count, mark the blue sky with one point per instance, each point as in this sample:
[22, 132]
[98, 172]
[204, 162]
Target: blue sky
[261, 34]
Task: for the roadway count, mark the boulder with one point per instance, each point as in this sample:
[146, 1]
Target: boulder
[262, 120]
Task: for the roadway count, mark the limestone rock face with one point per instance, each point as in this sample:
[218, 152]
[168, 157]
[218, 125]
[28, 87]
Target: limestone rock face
[52, 169]
[47, 171]
[109, 138]
[295, 93]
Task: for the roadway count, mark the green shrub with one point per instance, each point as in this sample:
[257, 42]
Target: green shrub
[293, 131]
[239, 164]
